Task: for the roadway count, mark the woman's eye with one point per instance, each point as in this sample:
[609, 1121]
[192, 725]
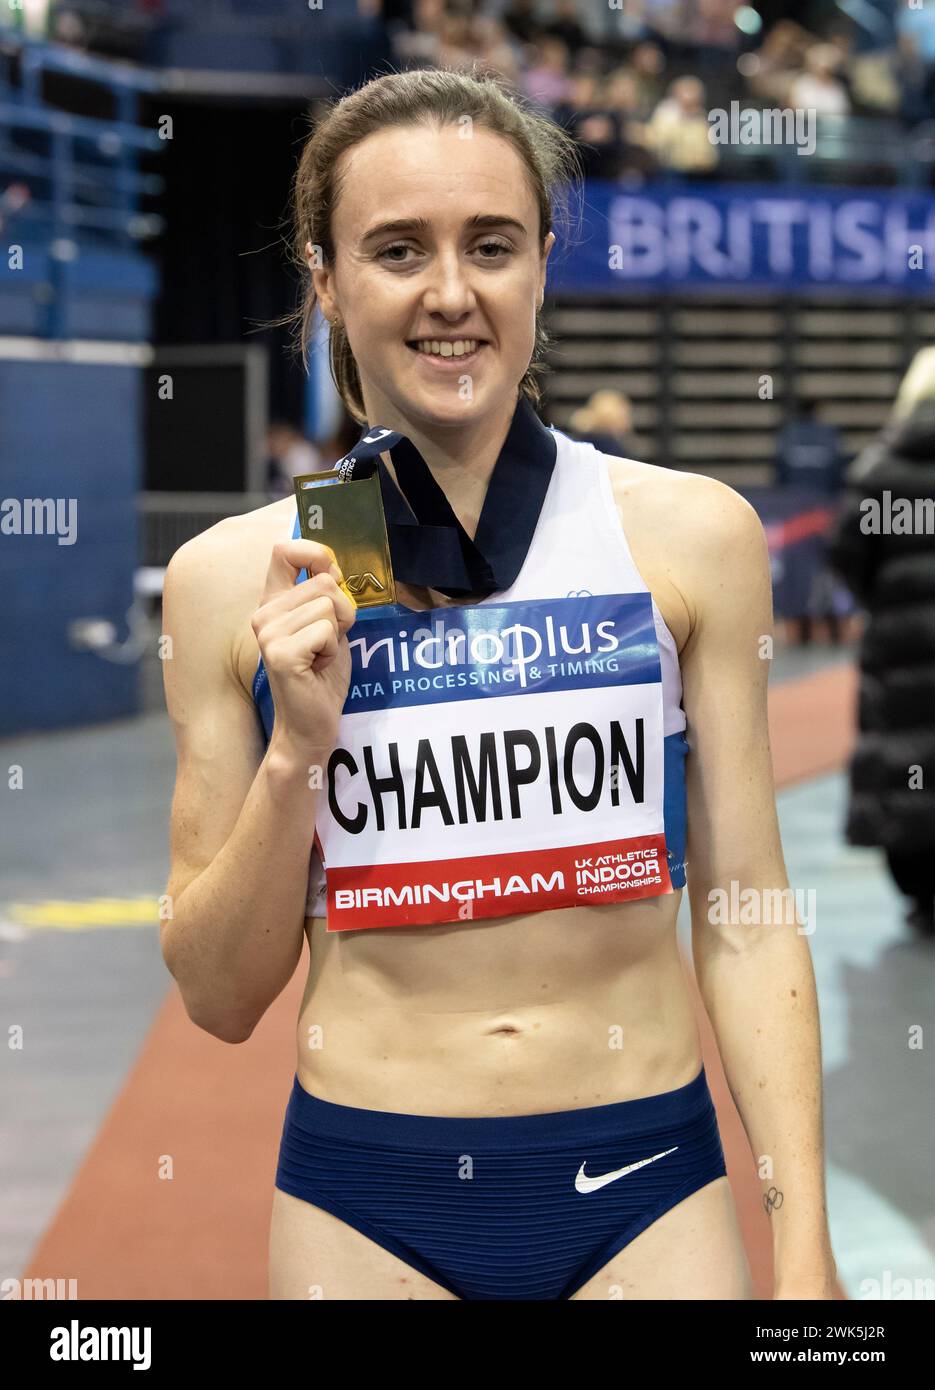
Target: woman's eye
[397, 246]
[500, 246]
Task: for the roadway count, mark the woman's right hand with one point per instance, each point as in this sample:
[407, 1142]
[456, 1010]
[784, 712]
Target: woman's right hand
[301, 630]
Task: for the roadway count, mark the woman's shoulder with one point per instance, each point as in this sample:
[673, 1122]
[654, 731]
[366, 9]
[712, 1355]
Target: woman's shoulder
[214, 582]
[689, 534]
[691, 509]
[233, 553]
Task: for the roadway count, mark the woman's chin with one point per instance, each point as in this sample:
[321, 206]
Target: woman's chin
[444, 405]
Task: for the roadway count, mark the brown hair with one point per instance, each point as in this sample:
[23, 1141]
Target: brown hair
[421, 97]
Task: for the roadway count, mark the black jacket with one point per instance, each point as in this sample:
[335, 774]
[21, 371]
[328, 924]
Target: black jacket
[893, 577]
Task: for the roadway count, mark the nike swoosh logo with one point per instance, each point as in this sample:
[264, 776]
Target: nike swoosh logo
[586, 1184]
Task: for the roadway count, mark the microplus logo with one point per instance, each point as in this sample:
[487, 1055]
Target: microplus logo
[77, 1343]
[518, 646]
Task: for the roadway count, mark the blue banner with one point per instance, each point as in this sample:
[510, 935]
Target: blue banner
[745, 234]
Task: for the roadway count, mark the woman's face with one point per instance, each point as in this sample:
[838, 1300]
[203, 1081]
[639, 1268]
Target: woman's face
[459, 266]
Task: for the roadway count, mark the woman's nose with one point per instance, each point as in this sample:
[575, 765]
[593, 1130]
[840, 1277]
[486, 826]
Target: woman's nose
[449, 288]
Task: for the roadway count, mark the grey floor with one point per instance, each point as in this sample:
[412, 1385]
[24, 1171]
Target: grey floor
[90, 823]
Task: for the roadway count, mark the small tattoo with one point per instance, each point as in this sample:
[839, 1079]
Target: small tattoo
[772, 1199]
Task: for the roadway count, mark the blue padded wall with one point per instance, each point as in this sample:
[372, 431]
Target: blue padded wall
[67, 430]
[104, 293]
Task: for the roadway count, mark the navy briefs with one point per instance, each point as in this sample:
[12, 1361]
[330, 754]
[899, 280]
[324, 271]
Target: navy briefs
[503, 1207]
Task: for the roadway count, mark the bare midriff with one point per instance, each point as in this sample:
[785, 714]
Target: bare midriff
[537, 1012]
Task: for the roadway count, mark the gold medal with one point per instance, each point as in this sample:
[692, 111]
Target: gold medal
[349, 517]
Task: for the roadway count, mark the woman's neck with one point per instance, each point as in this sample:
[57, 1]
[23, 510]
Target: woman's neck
[461, 458]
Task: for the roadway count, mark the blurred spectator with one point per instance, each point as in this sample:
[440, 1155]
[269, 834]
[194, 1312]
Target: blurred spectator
[627, 20]
[809, 453]
[567, 26]
[622, 93]
[67, 27]
[713, 26]
[522, 21]
[494, 51]
[771, 70]
[810, 458]
[288, 453]
[479, 43]
[891, 572]
[599, 116]
[715, 38]
[13, 199]
[598, 133]
[621, 99]
[875, 81]
[583, 93]
[420, 44]
[841, 38]
[665, 17]
[606, 421]
[818, 87]
[678, 133]
[456, 46]
[547, 81]
[647, 64]
[915, 29]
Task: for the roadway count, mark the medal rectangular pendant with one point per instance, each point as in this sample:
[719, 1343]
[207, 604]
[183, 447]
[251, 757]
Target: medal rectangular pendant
[349, 517]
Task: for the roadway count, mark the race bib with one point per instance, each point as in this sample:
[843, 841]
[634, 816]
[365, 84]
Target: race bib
[494, 760]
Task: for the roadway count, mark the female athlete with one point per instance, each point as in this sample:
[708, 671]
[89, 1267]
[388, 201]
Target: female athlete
[477, 804]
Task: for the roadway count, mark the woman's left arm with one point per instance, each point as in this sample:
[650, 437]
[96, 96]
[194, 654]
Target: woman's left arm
[750, 947]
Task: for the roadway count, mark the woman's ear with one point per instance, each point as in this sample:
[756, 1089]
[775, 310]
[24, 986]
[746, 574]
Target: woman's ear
[546, 250]
[321, 283]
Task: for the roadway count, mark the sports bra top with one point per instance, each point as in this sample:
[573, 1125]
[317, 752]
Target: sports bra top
[522, 752]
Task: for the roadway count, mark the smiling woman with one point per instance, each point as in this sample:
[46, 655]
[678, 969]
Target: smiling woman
[408, 146]
[478, 818]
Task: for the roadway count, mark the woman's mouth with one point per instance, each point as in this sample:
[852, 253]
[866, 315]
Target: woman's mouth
[447, 354]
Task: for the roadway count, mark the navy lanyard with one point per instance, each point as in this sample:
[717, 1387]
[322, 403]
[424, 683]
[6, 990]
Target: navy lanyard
[428, 545]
